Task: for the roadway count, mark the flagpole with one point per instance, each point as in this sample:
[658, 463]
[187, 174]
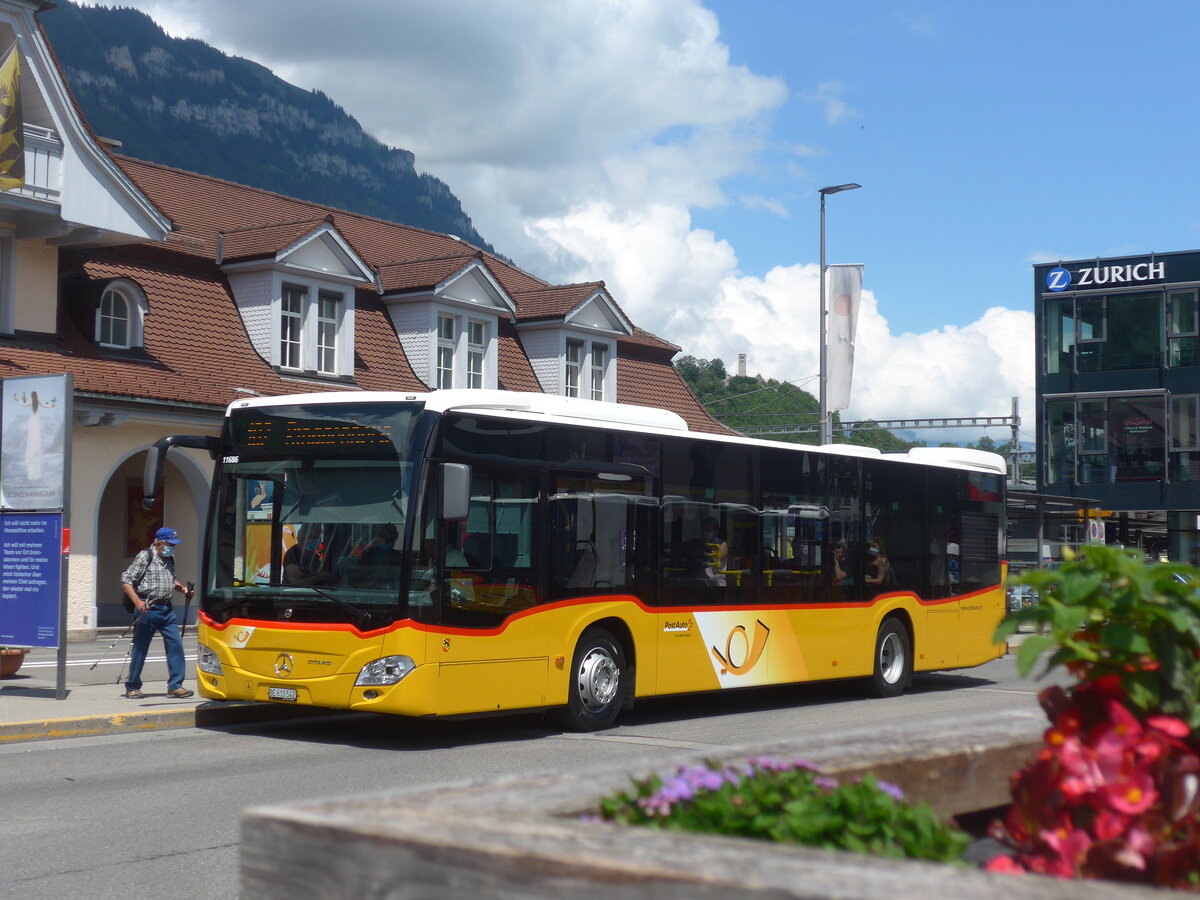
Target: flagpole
[824, 428]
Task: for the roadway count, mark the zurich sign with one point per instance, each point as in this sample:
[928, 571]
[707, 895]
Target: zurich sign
[1058, 279]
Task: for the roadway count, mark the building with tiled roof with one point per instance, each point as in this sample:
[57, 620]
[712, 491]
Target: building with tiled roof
[165, 295]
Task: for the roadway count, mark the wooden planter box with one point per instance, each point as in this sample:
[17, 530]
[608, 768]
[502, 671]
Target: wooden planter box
[524, 837]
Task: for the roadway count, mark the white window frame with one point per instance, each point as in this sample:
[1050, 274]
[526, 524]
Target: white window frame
[593, 375]
[476, 337]
[467, 357]
[291, 325]
[135, 315]
[599, 371]
[445, 351]
[320, 342]
[573, 367]
[327, 331]
[114, 309]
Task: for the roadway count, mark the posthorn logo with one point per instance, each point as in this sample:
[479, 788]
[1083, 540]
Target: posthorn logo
[1058, 279]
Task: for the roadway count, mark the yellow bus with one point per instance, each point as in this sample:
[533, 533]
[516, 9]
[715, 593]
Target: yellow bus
[465, 552]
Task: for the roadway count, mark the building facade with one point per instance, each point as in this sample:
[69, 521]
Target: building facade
[167, 295]
[1118, 388]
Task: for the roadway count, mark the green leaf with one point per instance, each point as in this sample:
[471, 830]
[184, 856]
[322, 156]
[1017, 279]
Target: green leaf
[1030, 650]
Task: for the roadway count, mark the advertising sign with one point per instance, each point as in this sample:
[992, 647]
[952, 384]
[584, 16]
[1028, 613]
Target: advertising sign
[33, 441]
[31, 551]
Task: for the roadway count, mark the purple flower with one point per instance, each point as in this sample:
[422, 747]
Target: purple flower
[890, 789]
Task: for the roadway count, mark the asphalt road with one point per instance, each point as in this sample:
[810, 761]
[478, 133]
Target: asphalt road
[156, 815]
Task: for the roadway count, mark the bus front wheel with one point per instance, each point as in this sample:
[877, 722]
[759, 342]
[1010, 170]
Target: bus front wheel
[597, 685]
[893, 659]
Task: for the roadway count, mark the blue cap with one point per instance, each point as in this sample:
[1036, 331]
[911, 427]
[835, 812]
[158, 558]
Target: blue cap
[167, 536]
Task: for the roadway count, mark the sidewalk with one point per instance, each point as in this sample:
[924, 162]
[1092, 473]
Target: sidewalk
[94, 703]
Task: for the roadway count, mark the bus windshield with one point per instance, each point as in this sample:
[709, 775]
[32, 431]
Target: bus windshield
[310, 510]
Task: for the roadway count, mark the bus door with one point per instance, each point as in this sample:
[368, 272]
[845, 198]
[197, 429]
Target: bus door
[491, 652]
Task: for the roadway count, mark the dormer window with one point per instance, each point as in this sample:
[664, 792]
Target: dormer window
[463, 354]
[599, 370]
[297, 298]
[587, 371]
[309, 324]
[328, 315]
[112, 324]
[119, 316]
[446, 340]
[291, 326]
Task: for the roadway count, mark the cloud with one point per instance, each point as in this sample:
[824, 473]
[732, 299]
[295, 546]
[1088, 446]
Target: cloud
[770, 204]
[829, 95]
[580, 135]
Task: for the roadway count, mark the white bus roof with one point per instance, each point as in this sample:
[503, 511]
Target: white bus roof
[523, 402]
[574, 409]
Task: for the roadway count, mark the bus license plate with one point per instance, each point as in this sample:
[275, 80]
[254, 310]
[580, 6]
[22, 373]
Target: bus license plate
[278, 693]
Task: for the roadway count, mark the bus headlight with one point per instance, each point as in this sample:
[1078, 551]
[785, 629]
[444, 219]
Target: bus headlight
[208, 662]
[387, 670]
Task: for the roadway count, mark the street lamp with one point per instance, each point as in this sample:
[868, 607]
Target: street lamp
[825, 430]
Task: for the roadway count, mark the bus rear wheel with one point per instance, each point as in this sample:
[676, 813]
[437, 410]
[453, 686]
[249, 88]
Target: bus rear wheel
[597, 686]
[893, 659]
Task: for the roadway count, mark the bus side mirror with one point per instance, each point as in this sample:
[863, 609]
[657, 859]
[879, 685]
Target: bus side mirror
[152, 476]
[156, 458]
[456, 491]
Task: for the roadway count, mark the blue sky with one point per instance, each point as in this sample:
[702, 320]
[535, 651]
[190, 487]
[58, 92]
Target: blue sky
[674, 149]
[987, 136]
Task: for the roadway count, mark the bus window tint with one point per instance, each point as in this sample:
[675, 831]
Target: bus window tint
[894, 513]
[593, 529]
[983, 518]
[843, 565]
[945, 574]
[709, 527]
[492, 557]
[794, 516]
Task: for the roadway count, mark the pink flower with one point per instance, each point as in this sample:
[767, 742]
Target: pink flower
[1006, 865]
[1133, 796]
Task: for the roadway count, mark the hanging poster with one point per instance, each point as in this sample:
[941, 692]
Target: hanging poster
[32, 442]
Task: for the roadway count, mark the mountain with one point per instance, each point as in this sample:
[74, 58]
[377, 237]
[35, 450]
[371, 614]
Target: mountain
[185, 104]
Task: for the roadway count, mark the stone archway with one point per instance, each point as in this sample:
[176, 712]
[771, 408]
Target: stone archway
[118, 525]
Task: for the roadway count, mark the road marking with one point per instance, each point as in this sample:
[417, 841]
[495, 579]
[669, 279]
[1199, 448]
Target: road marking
[52, 663]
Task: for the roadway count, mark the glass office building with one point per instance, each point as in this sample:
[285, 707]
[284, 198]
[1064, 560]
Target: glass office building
[1118, 387]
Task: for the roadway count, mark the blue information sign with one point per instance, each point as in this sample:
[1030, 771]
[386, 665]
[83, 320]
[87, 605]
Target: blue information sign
[30, 578]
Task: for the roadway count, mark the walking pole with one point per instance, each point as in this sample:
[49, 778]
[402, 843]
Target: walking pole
[187, 601]
[118, 639]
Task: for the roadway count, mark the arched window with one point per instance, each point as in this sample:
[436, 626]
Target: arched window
[113, 325]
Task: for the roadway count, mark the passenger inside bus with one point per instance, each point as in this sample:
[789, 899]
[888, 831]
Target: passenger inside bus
[303, 563]
[879, 567]
[841, 565]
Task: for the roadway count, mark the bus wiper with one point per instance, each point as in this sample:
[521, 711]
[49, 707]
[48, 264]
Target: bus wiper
[360, 617]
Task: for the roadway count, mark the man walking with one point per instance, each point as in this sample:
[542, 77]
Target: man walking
[149, 583]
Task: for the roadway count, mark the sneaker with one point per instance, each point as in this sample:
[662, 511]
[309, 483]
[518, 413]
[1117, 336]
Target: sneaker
[180, 693]
[133, 695]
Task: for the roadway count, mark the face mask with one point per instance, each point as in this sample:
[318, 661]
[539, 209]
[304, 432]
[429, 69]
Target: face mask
[874, 551]
[167, 551]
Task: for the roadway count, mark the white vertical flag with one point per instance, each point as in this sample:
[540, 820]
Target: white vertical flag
[844, 286]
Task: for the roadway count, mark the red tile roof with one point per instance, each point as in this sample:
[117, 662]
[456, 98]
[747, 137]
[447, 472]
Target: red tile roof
[263, 240]
[422, 274]
[196, 347]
